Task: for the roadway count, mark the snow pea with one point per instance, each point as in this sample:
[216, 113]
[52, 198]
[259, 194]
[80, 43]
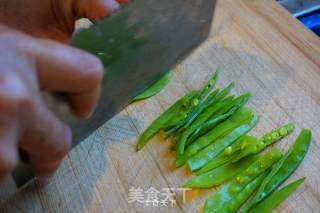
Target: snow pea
[230, 190]
[227, 111]
[247, 145]
[194, 113]
[202, 118]
[175, 112]
[200, 99]
[211, 151]
[241, 116]
[209, 85]
[233, 205]
[210, 101]
[276, 198]
[258, 145]
[221, 174]
[224, 158]
[278, 134]
[285, 167]
[248, 148]
[155, 88]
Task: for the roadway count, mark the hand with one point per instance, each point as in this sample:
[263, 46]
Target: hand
[29, 65]
[53, 19]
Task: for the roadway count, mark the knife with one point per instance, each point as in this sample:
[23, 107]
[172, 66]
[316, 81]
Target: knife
[136, 46]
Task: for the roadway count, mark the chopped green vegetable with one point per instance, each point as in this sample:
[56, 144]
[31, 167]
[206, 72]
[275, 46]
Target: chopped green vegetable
[272, 201]
[231, 190]
[227, 156]
[175, 112]
[155, 88]
[198, 104]
[221, 174]
[204, 156]
[241, 116]
[278, 134]
[285, 167]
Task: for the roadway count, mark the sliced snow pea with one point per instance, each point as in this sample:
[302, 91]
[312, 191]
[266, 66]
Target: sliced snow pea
[155, 88]
[210, 101]
[201, 118]
[202, 96]
[219, 161]
[247, 145]
[238, 183]
[221, 174]
[255, 146]
[227, 111]
[272, 201]
[241, 116]
[212, 151]
[248, 148]
[175, 112]
[285, 167]
[223, 158]
[278, 134]
[205, 91]
[240, 198]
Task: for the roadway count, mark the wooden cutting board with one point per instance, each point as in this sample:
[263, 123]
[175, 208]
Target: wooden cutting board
[260, 47]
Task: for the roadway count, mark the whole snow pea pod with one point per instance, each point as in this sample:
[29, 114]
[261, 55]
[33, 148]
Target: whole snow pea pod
[240, 198]
[155, 88]
[221, 174]
[278, 134]
[241, 116]
[285, 167]
[211, 151]
[238, 183]
[222, 158]
[227, 111]
[178, 109]
[272, 201]
[201, 97]
[202, 118]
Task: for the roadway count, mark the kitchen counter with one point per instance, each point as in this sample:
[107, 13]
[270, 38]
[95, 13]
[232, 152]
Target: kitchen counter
[261, 47]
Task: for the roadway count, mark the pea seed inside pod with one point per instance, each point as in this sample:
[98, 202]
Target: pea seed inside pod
[235, 189]
[253, 170]
[249, 172]
[228, 150]
[195, 102]
[275, 135]
[283, 131]
[267, 139]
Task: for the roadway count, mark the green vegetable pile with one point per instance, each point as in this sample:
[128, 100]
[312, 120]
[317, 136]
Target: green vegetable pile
[210, 129]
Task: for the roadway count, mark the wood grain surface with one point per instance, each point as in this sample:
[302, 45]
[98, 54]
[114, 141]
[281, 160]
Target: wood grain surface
[260, 47]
